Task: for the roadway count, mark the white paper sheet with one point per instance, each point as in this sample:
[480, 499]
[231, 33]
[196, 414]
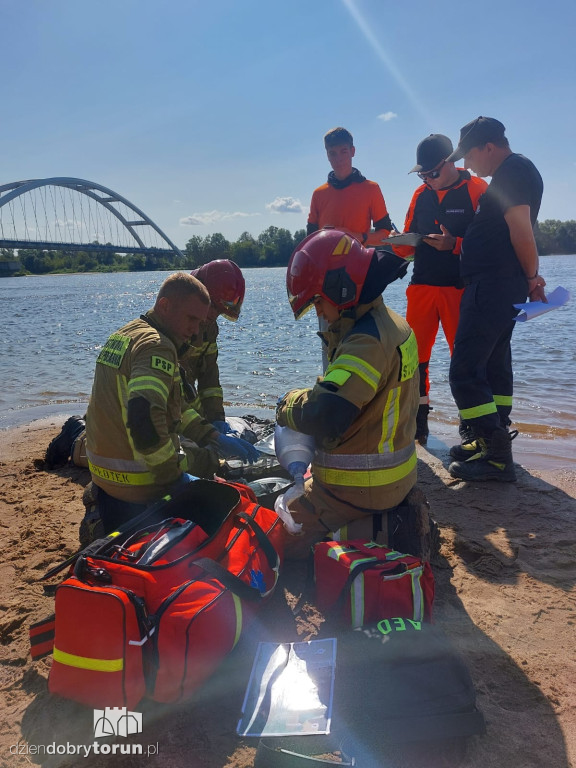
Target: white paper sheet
[558, 298]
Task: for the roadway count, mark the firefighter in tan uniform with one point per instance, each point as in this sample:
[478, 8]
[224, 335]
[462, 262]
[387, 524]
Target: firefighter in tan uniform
[226, 286]
[137, 411]
[362, 411]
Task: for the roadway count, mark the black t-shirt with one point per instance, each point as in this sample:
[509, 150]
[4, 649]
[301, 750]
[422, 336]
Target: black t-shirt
[487, 247]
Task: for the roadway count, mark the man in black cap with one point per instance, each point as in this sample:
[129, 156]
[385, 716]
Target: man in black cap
[441, 208]
[499, 267]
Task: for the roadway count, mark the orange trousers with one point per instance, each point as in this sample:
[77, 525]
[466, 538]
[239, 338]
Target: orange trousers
[428, 306]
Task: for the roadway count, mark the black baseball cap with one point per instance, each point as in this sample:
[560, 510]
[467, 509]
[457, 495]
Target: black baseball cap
[431, 151]
[476, 133]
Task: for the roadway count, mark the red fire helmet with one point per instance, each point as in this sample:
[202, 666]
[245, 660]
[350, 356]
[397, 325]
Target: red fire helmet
[329, 264]
[225, 283]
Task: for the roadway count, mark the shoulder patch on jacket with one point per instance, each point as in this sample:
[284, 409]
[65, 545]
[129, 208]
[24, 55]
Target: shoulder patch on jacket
[408, 351]
[112, 353]
[158, 363]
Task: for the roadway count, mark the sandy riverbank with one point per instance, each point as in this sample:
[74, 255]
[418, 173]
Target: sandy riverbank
[505, 595]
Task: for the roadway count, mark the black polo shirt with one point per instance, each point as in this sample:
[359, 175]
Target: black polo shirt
[487, 248]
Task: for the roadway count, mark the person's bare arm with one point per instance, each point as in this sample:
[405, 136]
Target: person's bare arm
[522, 237]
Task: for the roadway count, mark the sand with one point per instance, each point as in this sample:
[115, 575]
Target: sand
[504, 595]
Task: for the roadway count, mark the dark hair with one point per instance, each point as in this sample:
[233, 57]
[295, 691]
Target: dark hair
[182, 284]
[337, 136]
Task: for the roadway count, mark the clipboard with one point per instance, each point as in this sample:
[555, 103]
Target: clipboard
[406, 238]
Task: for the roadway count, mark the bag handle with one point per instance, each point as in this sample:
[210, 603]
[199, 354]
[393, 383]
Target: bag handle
[271, 555]
[229, 580]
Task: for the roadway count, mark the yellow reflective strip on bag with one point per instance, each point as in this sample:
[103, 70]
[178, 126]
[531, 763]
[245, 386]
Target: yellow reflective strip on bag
[417, 594]
[365, 478]
[148, 384]
[343, 247]
[212, 348]
[211, 392]
[478, 410]
[238, 607]
[408, 357]
[83, 662]
[120, 477]
[356, 365]
[503, 400]
[357, 600]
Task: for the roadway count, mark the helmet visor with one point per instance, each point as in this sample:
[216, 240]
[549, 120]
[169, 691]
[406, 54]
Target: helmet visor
[230, 309]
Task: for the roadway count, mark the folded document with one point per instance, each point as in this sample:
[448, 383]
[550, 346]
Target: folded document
[558, 298]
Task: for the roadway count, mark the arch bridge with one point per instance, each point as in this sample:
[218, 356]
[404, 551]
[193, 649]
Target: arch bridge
[76, 215]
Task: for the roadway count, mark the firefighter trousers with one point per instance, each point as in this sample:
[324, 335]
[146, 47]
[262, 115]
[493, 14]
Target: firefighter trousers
[481, 377]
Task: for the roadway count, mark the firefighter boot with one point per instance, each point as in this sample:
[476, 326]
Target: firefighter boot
[495, 463]
[422, 430]
[470, 445]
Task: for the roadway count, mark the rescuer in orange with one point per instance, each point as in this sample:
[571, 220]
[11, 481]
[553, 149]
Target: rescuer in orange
[441, 208]
[348, 201]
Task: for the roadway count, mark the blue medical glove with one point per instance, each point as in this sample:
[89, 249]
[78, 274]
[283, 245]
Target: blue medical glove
[234, 447]
[222, 426]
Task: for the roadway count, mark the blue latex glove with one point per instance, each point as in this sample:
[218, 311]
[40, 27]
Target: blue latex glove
[234, 447]
[222, 426]
[183, 480]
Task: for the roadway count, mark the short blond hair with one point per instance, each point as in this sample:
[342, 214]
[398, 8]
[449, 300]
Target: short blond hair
[182, 284]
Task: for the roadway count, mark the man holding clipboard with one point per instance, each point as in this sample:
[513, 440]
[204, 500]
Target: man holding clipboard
[438, 216]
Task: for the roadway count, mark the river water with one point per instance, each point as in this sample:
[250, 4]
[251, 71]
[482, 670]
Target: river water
[54, 326]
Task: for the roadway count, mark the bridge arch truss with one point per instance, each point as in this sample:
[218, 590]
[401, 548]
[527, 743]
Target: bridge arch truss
[75, 214]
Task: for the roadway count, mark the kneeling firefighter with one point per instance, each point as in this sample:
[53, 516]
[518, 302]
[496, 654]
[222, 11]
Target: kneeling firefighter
[362, 412]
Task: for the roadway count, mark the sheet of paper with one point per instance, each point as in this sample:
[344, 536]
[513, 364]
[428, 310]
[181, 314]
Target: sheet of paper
[558, 298]
[290, 689]
[407, 238]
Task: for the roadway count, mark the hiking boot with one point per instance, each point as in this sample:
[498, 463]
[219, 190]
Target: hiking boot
[422, 430]
[493, 463]
[58, 452]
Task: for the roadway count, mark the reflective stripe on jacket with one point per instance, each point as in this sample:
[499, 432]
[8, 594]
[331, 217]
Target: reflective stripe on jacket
[374, 365]
[200, 363]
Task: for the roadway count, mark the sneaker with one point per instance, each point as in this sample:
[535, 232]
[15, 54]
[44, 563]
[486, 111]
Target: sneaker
[58, 452]
[422, 430]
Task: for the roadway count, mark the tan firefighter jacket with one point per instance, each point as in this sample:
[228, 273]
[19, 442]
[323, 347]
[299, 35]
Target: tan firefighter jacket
[373, 365]
[200, 364]
[136, 413]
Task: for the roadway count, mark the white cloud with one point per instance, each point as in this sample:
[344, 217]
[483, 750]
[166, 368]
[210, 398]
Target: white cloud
[285, 205]
[387, 116]
[210, 217]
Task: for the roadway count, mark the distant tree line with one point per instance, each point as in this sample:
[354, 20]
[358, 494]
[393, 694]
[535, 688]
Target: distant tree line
[272, 248]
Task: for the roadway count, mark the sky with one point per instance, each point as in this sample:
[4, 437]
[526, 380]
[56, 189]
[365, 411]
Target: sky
[210, 116]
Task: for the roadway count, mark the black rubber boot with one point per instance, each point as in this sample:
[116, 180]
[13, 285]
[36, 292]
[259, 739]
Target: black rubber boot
[495, 463]
[58, 452]
[422, 430]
